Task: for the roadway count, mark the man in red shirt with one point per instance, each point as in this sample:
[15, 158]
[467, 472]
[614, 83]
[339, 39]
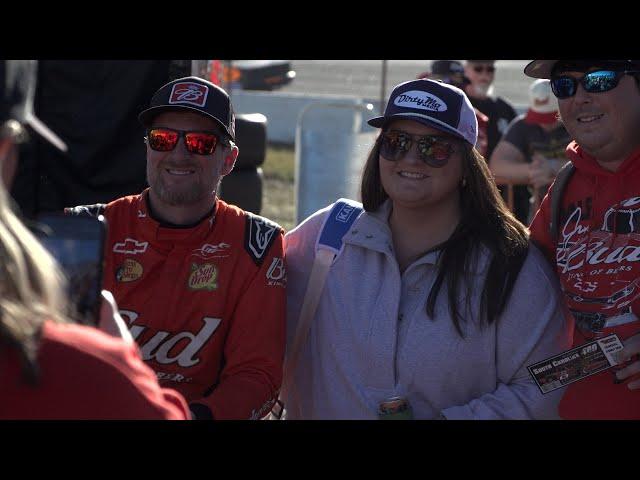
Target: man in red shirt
[200, 282]
[597, 247]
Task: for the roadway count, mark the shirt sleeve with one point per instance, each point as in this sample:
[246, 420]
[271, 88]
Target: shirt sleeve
[300, 245]
[108, 380]
[531, 329]
[152, 401]
[254, 348]
[509, 111]
[515, 135]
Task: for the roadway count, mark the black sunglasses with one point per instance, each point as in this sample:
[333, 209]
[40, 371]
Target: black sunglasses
[162, 139]
[485, 68]
[598, 81]
[434, 150]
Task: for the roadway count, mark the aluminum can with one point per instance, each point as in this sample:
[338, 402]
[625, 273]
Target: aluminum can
[395, 408]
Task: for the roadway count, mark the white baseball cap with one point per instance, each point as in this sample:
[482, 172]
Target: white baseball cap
[543, 105]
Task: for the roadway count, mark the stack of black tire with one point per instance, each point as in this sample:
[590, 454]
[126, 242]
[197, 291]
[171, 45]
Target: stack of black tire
[243, 186]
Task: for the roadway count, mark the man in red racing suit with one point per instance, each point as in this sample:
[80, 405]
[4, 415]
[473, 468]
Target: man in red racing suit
[597, 248]
[200, 283]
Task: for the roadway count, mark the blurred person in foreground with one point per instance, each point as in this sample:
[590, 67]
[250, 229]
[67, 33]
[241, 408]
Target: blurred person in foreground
[430, 297]
[452, 72]
[532, 150]
[52, 368]
[596, 251]
[200, 282]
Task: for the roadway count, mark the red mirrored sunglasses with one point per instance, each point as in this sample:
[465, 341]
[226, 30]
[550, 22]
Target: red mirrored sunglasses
[162, 139]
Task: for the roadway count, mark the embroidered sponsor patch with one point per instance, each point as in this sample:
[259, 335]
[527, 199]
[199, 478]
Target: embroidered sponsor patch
[277, 274]
[203, 277]
[129, 271]
[208, 251]
[624, 217]
[172, 377]
[575, 364]
[420, 100]
[258, 237]
[130, 246]
[182, 348]
[190, 93]
[345, 213]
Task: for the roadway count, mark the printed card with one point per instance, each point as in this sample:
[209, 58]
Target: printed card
[575, 364]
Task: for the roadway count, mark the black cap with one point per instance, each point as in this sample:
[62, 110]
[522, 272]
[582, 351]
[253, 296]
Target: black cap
[449, 71]
[544, 68]
[446, 67]
[17, 91]
[193, 94]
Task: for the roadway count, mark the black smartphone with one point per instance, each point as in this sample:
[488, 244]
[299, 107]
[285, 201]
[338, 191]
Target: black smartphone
[77, 243]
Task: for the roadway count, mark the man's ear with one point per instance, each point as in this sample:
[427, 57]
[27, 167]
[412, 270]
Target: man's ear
[230, 156]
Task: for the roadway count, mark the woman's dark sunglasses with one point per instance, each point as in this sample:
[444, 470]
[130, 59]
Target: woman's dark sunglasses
[163, 139]
[485, 68]
[564, 86]
[433, 150]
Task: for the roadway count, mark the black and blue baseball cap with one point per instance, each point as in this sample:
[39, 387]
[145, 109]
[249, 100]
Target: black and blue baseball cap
[193, 94]
[434, 104]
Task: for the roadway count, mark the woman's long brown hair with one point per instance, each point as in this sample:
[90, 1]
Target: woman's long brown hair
[485, 221]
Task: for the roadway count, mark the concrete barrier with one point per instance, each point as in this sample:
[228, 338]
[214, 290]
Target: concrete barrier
[283, 109]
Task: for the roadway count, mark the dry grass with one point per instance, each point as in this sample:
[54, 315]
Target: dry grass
[278, 198]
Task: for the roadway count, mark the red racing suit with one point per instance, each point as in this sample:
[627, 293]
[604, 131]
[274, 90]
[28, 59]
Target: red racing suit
[206, 304]
[597, 257]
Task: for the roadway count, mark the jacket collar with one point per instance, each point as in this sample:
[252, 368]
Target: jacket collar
[161, 233]
[371, 230]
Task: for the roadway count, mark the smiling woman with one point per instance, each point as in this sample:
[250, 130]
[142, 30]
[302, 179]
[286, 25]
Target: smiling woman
[428, 302]
[421, 168]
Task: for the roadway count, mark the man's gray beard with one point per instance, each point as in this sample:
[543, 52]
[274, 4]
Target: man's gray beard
[182, 197]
